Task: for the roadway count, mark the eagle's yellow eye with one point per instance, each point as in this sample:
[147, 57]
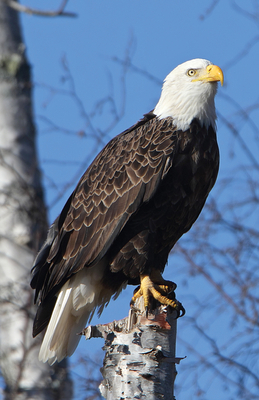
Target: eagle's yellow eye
[191, 72]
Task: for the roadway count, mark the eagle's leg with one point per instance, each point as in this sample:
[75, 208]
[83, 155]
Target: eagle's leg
[158, 288]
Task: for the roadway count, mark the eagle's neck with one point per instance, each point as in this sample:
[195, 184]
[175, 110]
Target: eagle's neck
[185, 105]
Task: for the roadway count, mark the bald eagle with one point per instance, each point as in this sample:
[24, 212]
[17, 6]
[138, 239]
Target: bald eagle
[142, 192]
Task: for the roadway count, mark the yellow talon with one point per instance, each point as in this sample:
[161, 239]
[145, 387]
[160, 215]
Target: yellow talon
[158, 291]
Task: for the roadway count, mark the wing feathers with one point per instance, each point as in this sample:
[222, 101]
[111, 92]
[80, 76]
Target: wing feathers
[126, 173]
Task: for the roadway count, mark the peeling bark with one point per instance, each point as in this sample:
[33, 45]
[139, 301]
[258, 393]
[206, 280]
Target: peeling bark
[140, 355]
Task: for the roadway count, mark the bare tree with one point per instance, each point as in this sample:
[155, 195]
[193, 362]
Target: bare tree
[23, 224]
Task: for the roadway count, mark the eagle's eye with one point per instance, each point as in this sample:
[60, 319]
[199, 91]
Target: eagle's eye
[191, 72]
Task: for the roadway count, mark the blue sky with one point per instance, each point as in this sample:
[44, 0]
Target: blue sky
[158, 39]
[157, 35]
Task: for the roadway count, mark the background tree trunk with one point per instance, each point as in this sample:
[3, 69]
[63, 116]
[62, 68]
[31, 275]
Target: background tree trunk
[22, 225]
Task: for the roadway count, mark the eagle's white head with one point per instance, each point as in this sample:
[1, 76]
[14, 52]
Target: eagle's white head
[188, 92]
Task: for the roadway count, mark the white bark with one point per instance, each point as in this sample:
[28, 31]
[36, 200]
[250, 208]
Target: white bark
[140, 355]
[22, 223]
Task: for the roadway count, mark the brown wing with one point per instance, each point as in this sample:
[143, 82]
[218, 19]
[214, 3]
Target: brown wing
[124, 174]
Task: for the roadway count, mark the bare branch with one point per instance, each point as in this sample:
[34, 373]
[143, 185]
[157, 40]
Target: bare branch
[254, 16]
[138, 70]
[236, 133]
[243, 53]
[33, 11]
[209, 9]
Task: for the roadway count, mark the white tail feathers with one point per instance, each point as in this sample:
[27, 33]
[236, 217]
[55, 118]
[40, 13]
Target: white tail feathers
[74, 307]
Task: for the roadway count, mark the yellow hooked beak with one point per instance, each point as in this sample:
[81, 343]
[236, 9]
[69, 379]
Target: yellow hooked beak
[211, 74]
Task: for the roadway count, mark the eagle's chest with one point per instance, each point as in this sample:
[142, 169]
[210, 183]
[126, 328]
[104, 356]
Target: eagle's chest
[184, 189]
[195, 164]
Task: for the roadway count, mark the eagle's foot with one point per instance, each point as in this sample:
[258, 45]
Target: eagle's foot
[162, 291]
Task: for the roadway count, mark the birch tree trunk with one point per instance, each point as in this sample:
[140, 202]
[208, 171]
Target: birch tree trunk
[140, 355]
[22, 225]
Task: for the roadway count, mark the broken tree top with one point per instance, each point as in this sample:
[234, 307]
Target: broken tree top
[140, 354]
